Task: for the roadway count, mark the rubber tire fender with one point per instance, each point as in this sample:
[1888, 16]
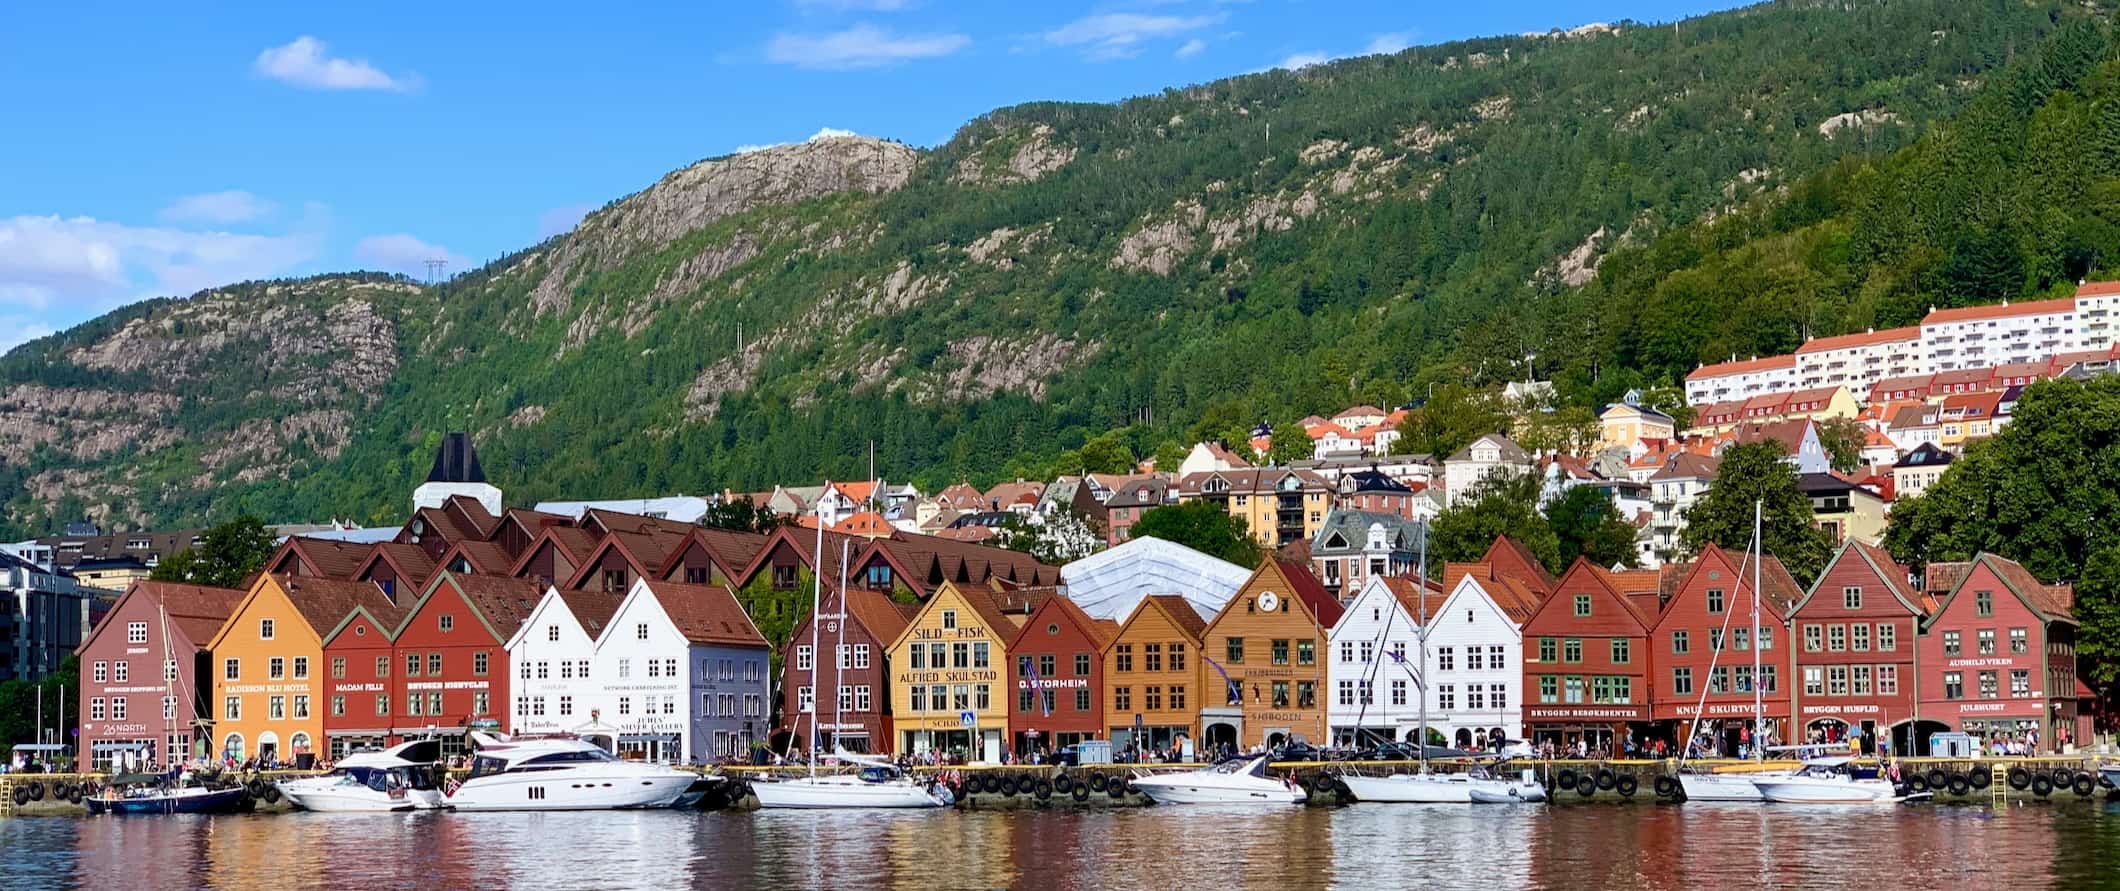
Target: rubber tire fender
[1605, 779]
[1566, 778]
[2042, 785]
[1099, 782]
[2084, 785]
[1938, 778]
[1115, 790]
[1586, 788]
[36, 791]
[1960, 787]
[1626, 785]
[1322, 783]
[2019, 779]
[1063, 785]
[1664, 786]
[272, 794]
[21, 795]
[2064, 778]
[1008, 787]
[1042, 790]
[1981, 779]
[1079, 792]
[1918, 783]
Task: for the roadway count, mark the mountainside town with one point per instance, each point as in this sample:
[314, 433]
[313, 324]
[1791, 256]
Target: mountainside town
[692, 639]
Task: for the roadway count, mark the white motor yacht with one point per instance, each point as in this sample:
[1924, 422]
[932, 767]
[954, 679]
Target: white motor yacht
[879, 784]
[1474, 786]
[1230, 782]
[400, 778]
[1827, 781]
[1724, 786]
[560, 772]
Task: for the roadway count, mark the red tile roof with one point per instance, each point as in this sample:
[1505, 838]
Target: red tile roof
[505, 602]
[2098, 289]
[1858, 339]
[707, 614]
[593, 609]
[1510, 558]
[1325, 607]
[2001, 310]
[1742, 366]
[326, 602]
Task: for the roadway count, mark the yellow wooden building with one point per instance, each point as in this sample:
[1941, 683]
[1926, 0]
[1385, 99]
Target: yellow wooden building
[268, 667]
[948, 665]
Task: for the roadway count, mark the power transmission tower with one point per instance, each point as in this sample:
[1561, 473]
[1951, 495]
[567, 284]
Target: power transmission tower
[435, 267]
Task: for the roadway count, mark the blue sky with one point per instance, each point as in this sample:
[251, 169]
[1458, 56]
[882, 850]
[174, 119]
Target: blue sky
[157, 149]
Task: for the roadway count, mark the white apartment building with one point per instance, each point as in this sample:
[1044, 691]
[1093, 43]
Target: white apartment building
[1859, 361]
[1741, 379]
[1986, 336]
[552, 654]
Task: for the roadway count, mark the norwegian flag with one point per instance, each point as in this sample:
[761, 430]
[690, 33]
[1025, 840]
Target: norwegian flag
[1031, 668]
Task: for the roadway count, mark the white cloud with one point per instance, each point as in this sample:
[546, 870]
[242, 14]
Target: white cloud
[399, 252]
[821, 134]
[1301, 61]
[1191, 48]
[561, 219]
[1118, 35]
[82, 261]
[1388, 43]
[862, 46]
[304, 63]
[18, 330]
[232, 206]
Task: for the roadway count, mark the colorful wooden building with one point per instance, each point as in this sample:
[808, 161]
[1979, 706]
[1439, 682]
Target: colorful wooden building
[1056, 677]
[1170, 624]
[1854, 642]
[146, 682]
[1587, 662]
[1705, 646]
[452, 647]
[269, 658]
[1998, 656]
[856, 711]
[949, 681]
[1267, 649]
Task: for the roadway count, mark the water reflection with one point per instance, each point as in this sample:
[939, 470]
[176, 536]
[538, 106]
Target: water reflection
[1222, 849]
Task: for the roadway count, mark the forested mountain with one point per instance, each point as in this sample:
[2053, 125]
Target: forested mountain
[1606, 207]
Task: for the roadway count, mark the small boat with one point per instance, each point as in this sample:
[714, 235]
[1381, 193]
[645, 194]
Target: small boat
[1231, 782]
[144, 793]
[1829, 781]
[879, 784]
[400, 778]
[2111, 773]
[562, 772]
[1475, 786]
[1724, 786]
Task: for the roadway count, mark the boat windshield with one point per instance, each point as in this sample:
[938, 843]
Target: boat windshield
[876, 773]
[1255, 767]
[487, 765]
[565, 759]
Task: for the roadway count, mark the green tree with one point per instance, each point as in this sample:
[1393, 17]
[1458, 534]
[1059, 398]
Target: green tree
[1985, 266]
[61, 690]
[2042, 492]
[1203, 526]
[1587, 523]
[226, 556]
[1754, 472]
[1505, 503]
[1061, 538]
[1290, 443]
[1843, 439]
[1453, 416]
[740, 515]
[2097, 608]
[1169, 455]
[1107, 454]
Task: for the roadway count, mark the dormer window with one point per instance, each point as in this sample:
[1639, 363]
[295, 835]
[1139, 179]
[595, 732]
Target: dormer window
[139, 544]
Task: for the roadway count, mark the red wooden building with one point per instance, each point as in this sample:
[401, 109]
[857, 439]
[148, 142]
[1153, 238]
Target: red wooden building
[1587, 662]
[361, 694]
[146, 688]
[1998, 656]
[452, 657]
[1705, 646]
[1056, 677]
[859, 634]
[1854, 642]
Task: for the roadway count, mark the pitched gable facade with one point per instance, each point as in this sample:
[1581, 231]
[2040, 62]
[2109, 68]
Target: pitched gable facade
[1998, 656]
[1854, 643]
[1267, 646]
[1586, 663]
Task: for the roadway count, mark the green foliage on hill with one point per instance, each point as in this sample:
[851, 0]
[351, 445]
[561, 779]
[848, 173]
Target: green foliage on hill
[1414, 219]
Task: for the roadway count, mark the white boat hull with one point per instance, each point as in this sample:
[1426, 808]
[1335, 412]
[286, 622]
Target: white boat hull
[843, 792]
[1502, 792]
[1814, 790]
[583, 789]
[1187, 793]
[1721, 787]
[354, 798]
[1441, 789]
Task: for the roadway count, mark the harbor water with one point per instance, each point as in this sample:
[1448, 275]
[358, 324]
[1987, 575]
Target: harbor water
[1500, 847]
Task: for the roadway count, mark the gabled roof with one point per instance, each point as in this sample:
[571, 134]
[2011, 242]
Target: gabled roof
[1416, 599]
[1509, 451]
[483, 557]
[1882, 567]
[1688, 466]
[1325, 607]
[2051, 603]
[730, 549]
[409, 561]
[876, 611]
[326, 603]
[456, 461]
[593, 609]
[197, 611]
[1172, 606]
[1584, 577]
[573, 542]
[1927, 454]
[707, 614]
[1510, 558]
[2098, 289]
[332, 559]
[1099, 632]
[1516, 597]
[502, 603]
[980, 599]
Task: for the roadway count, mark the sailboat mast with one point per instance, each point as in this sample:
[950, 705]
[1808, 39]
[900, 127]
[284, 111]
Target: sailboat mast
[816, 606]
[1420, 608]
[839, 637]
[1759, 557]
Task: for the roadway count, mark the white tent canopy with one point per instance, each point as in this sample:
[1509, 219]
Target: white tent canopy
[1109, 584]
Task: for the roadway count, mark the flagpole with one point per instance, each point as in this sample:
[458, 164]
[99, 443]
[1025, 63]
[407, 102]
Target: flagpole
[816, 607]
[839, 667]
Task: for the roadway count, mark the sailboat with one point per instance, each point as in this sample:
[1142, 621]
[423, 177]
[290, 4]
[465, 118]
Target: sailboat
[1735, 785]
[879, 783]
[1475, 786]
[173, 792]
